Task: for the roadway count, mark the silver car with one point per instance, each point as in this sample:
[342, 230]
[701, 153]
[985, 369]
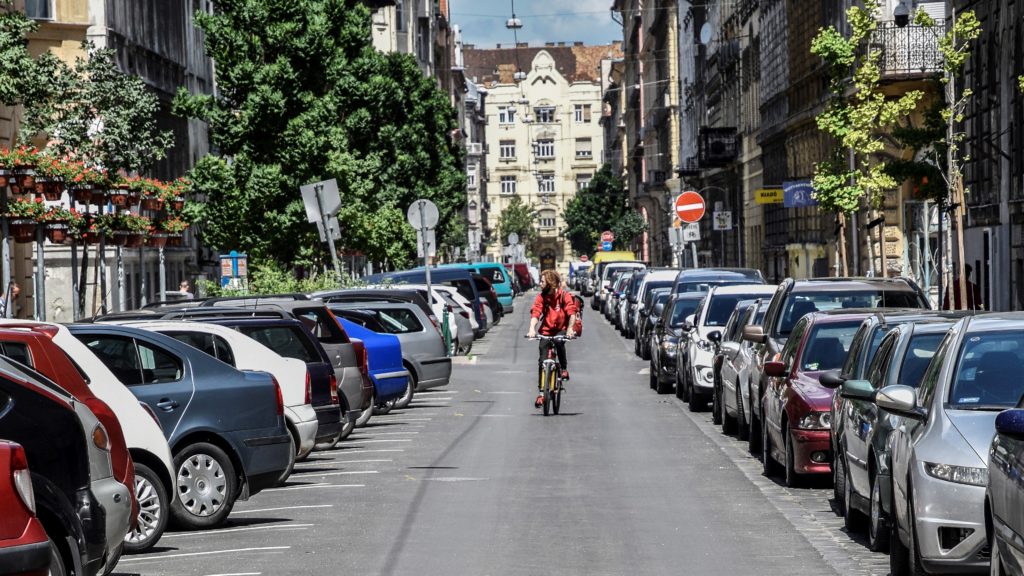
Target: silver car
[734, 373]
[940, 442]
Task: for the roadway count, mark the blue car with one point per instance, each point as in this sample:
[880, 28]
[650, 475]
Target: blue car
[499, 278]
[384, 355]
[1004, 498]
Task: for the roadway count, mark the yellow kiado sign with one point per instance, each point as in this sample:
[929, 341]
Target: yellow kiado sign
[769, 196]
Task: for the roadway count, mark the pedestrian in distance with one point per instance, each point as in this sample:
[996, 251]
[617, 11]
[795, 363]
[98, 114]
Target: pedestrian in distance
[973, 292]
[186, 289]
[13, 290]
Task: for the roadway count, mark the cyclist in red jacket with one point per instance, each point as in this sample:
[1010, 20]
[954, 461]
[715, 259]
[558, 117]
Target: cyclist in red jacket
[555, 310]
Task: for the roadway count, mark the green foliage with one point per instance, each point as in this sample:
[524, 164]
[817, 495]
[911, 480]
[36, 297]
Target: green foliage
[857, 122]
[303, 96]
[630, 225]
[593, 210]
[519, 218]
[926, 172]
[1020, 80]
[273, 278]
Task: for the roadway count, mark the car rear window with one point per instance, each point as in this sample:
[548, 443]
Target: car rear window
[18, 352]
[288, 341]
[320, 323]
[722, 306]
[210, 343]
[800, 304]
[919, 352]
[493, 274]
[827, 345]
[399, 321]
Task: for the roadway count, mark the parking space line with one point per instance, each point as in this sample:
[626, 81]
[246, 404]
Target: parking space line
[417, 419]
[357, 442]
[229, 530]
[388, 434]
[358, 450]
[232, 551]
[437, 392]
[360, 461]
[347, 472]
[238, 574]
[315, 485]
[233, 512]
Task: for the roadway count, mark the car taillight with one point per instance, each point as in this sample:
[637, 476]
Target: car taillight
[482, 313]
[309, 389]
[362, 357]
[464, 314]
[152, 415]
[334, 390]
[22, 478]
[280, 397]
[100, 438]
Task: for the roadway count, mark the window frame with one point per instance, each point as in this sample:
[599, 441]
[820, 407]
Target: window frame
[508, 185]
[585, 154]
[545, 148]
[506, 149]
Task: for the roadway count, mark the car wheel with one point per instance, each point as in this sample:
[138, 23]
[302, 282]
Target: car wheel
[111, 561]
[716, 404]
[467, 348]
[742, 429]
[636, 347]
[645, 350]
[364, 418]
[768, 465]
[696, 402]
[383, 408]
[410, 390]
[206, 487]
[996, 567]
[899, 555]
[792, 477]
[839, 482]
[754, 432]
[914, 567]
[56, 561]
[346, 431]
[152, 496]
[853, 518]
[878, 533]
[652, 378]
[292, 449]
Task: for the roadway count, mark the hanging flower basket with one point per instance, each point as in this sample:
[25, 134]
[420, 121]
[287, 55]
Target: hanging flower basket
[98, 197]
[118, 197]
[91, 237]
[58, 232]
[51, 189]
[135, 240]
[5, 177]
[175, 240]
[157, 239]
[154, 204]
[82, 194]
[177, 203]
[23, 230]
[118, 237]
[25, 177]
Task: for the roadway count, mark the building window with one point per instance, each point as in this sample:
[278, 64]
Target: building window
[508, 184]
[506, 115]
[583, 148]
[546, 148]
[583, 181]
[546, 183]
[400, 15]
[547, 219]
[471, 176]
[423, 38]
[39, 9]
[583, 113]
[545, 114]
[507, 149]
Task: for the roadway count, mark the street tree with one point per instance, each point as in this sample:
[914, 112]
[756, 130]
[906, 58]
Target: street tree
[601, 206]
[518, 217]
[857, 118]
[303, 96]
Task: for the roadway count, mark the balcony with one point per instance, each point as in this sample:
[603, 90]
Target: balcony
[717, 147]
[912, 51]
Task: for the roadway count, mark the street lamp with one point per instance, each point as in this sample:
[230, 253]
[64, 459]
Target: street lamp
[513, 23]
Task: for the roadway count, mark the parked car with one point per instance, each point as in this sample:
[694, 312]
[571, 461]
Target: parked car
[499, 278]
[404, 292]
[444, 308]
[731, 367]
[220, 455]
[604, 272]
[940, 447]
[795, 436]
[461, 280]
[702, 279]
[621, 280]
[24, 547]
[490, 297]
[422, 351]
[652, 310]
[695, 367]
[289, 338]
[640, 300]
[235, 349]
[795, 298]
[385, 367]
[1004, 498]
[665, 338]
[85, 511]
[623, 319]
[150, 454]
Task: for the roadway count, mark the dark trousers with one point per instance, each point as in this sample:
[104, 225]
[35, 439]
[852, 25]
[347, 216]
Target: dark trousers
[559, 352]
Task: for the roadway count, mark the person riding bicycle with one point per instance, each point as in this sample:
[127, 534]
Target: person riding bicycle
[555, 310]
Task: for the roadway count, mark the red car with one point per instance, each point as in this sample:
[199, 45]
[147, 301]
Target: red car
[796, 407]
[34, 347]
[24, 547]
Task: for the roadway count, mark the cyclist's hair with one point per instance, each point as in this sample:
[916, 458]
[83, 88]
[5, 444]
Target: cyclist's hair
[552, 278]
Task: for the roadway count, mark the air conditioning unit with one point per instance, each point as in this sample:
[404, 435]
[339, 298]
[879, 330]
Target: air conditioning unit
[718, 147]
[474, 148]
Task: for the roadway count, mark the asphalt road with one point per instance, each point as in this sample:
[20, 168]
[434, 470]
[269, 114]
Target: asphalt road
[471, 479]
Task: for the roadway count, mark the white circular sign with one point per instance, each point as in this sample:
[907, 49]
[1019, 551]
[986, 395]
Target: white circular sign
[423, 214]
[705, 33]
[513, 239]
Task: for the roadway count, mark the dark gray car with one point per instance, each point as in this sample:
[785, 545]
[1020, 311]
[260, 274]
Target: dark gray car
[422, 347]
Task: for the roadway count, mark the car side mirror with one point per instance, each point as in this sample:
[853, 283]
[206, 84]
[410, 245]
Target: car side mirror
[715, 337]
[691, 319]
[754, 334]
[831, 379]
[775, 369]
[900, 400]
[1011, 423]
[857, 390]
[730, 348]
[678, 332]
[686, 326]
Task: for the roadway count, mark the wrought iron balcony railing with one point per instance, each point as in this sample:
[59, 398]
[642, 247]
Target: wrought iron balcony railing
[909, 51]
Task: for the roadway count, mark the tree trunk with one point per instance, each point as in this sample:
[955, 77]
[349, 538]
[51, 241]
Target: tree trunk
[843, 269]
[83, 277]
[959, 189]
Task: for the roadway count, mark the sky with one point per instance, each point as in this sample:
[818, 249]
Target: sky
[587, 21]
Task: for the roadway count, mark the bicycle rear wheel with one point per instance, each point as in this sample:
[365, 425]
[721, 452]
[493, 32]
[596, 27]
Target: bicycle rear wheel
[549, 375]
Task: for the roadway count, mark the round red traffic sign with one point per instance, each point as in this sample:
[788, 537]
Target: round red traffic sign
[607, 236]
[689, 207]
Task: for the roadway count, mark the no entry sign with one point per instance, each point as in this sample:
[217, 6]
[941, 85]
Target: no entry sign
[689, 207]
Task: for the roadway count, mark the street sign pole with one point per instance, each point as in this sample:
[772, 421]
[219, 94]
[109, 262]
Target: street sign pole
[163, 275]
[323, 219]
[40, 275]
[119, 257]
[426, 247]
[693, 250]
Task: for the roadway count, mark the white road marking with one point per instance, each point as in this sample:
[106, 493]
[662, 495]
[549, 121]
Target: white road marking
[416, 419]
[227, 530]
[238, 574]
[437, 392]
[349, 472]
[503, 392]
[358, 450]
[233, 512]
[356, 439]
[373, 441]
[316, 485]
[360, 461]
[232, 551]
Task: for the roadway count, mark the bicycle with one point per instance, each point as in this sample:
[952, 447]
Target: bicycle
[551, 375]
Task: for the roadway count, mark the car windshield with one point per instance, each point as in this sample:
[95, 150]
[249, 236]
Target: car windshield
[826, 346]
[987, 375]
[722, 306]
[919, 352]
[705, 285]
[799, 305]
[652, 287]
[681, 309]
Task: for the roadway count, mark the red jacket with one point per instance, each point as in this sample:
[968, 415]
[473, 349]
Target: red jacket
[556, 308]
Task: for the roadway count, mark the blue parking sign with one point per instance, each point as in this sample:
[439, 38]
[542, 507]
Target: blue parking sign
[606, 246]
[798, 194]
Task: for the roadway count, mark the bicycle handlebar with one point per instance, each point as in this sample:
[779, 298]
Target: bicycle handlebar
[555, 338]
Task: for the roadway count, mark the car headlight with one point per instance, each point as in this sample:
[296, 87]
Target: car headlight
[669, 346]
[816, 421]
[958, 474]
[707, 374]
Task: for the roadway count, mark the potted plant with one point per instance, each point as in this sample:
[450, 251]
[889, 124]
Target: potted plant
[132, 228]
[51, 174]
[175, 228]
[176, 192]
[154, 194]
[59, 222]
[85, 229]
[22, 216]
[119, 192]
[21, 162]
[83, 181]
